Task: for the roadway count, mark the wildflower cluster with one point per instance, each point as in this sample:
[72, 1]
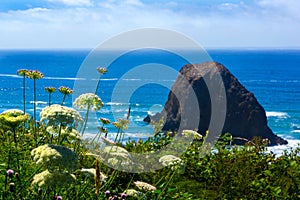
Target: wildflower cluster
[173, 162]
[88, 101]
[116, 156]
[57, 115]
[135, 194]
[50, 89]
[65, 132]
[53, 179]
[55, 157]
[121, 124]
[102, 70]
[144, 186]
[65, 90]
[13, 117]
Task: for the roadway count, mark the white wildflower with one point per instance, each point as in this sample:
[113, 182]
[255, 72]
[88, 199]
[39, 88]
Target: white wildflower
[55, 157]
[175, 163]
[136, 194]
[144, 186]
[58, 115]
[88, 101]
[91, 172]
[52, 179]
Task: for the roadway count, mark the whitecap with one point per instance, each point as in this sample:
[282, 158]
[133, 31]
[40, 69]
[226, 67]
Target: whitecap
[65, 78]
[117, 104]
[39, 102]
[277, 114]
[279, 149]
[11, 75]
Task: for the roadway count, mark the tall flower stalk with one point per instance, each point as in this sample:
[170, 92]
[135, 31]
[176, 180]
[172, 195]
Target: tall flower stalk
[50, 90]
[121, 125]
[23, 73]
[86, 102]
[65, 91]
[101, 71]
[34, 75]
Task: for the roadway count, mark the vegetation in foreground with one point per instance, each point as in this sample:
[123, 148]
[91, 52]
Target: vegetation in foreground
[50, 160]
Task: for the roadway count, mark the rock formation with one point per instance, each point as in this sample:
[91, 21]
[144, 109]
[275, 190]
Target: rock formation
[243, 117]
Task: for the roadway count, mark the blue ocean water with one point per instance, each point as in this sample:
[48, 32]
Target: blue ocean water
[272, 75]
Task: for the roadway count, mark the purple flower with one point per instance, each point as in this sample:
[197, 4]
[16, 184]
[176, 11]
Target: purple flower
[123, 195]
[107, 193]
[10, 172]
[58, 198]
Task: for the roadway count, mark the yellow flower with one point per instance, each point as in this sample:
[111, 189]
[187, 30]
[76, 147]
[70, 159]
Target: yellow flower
[65, 90]
[34, 74]
[13, 117]
[50, 89]
[102, 70]
[121, 124]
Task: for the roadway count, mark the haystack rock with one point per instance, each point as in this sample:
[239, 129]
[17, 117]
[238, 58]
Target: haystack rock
[243, 117]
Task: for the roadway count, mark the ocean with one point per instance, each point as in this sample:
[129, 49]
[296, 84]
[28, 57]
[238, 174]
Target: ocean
[273, 75]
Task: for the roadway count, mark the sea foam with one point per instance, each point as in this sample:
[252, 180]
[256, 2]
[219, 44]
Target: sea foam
[277, 114]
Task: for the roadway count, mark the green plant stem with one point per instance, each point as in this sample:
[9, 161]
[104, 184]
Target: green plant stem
[34, 109]
[24, 94]
[165, 187]
[63, 100]
[49, 100]
[16, 147]
[85, 119]
[98, 83]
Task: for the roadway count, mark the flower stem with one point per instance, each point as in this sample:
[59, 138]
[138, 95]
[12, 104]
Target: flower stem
[34, 109]
[24, 94]
[85, 119]
[63, 100]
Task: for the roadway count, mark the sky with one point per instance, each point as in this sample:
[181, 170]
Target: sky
[28, 24]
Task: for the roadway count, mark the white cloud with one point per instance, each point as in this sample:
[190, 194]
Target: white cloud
[73, 2]
[280, 8]
[223, 25]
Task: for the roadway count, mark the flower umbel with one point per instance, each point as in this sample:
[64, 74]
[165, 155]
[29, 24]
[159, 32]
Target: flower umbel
[104, 121]
[102, 70]
[88, 101]
[34, 74]
[55, 157]
[57, 115]
[22, 72]
[13, 117]
[65, 90]
[173, 162]
[53, 179]
[121, 124]
[136, 194]
[50, 89]
[144, 186]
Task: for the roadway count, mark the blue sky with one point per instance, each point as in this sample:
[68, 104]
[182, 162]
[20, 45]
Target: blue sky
[86, 23]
